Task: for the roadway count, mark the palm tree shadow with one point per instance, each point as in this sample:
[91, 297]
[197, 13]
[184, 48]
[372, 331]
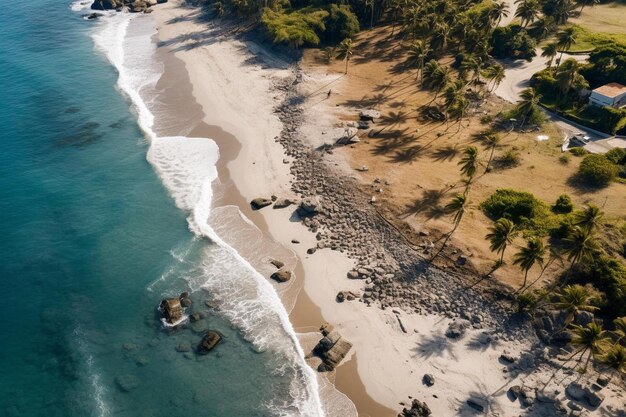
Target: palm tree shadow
[407, 155]
[390, 145]
[434, 345]
[481, 342]
[430, 203]
[447, 153]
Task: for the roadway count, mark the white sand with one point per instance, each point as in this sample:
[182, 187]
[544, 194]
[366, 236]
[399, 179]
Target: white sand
[235, 94]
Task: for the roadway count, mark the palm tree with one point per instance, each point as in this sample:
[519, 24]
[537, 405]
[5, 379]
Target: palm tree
[474, 65]
[615, 359]
[440, 37]
[581, 245]
[620, 329]
[543, 26]
[457, 206]
[497, 12]
[528, 103]
[493, 140]
[567, 74]
[565, 39]
[588, 218]
[550, 51]
[527, 11]
[573, 299]
[500, 235]
[529, 255]
[370, 4]
[469, 161]
[496, 73]
[346, 50]
[591, 339]
[435, 76]
[417, 56]
[589, 3]
[454, 97]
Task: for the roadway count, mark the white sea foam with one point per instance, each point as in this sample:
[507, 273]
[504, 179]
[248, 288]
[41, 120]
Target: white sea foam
[80, 5]
[187, 167]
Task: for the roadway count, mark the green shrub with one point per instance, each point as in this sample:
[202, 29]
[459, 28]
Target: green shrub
[597, 170]
[564, 159]
[609, 275]
[297, 28]
[563, 230]
[611, 120]
[512, 42]
[563, 204]
[579, 151]
[523, 209]
[341, 23]
[617, 156]
[509, 159]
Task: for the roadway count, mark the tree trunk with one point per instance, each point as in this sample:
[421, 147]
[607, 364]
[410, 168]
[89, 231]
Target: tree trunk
[347, 65]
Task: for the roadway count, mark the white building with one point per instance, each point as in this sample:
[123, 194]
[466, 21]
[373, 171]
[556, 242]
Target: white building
[612, 94]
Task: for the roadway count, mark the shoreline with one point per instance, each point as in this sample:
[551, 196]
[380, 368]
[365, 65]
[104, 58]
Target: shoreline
[305, 315]
[403, 310]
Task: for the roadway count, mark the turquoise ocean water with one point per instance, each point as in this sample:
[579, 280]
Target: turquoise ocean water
[94, 235]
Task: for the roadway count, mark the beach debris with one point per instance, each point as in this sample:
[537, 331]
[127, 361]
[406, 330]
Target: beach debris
[278, 264]
[310, 206]
[418, 409]
[282, 275]
[582, 393]
[363, 168]
[172, 310]
[429, 380]
[331, 349]
[456, 329]
[282, 203]
[209, 341]
[259, 203]
[369, 115]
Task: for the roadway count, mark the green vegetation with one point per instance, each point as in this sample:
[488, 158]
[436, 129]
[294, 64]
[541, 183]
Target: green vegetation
[295, 28]
[531, 215]
[588, 41]
[563, 204]
[598, 170]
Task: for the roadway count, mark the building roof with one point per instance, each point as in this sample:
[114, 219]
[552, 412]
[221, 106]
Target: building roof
[611, 90]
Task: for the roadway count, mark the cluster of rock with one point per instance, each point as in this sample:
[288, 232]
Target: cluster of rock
[344, 219]
[134, 6]
[331, 349]
[418, 409]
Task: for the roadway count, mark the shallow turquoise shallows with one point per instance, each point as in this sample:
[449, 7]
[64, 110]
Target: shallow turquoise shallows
[90, 242]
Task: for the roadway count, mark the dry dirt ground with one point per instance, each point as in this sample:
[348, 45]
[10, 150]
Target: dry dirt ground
[419, 160]
[605, 18]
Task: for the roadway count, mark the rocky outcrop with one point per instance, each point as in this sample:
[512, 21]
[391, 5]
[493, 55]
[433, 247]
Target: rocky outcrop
[209, 341]
[585, 394]
[456, 329]
[428, 380]
[259, 203]
[172, 310]
[345, 135]
[107, 4]
[345, 295]
[418, 409]
[282, 203]
[369, 115]
[282, 275]
[331, 349]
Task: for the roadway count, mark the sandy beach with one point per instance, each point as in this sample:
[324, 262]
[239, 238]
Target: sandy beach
[235, 86]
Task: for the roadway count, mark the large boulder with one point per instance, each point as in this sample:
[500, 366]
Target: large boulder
[310, 206]
[106, 4]
[369, 115]
[456, 329]
[209, 341]
[418, 409]
[282, 275]
[344, 136]
[259, 203]
[172, 310]
[282, 203]
[331, 349]
[581, 393]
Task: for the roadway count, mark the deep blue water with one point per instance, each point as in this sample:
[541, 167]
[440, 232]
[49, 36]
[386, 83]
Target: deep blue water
[86, 228]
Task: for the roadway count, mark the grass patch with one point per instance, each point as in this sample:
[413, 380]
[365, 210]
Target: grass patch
[588, 41]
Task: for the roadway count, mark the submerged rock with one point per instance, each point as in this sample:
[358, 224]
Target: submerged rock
[127, 382]
[209, 341]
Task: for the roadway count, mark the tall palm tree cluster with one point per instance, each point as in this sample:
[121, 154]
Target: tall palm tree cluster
[580, 245]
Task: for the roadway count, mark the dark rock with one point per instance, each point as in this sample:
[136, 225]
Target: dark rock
[476, 404]
[282, 275]
[172, 310]
[92, 16]
[185, 301]
[418, 409]
[259, 203]
[277, 264]
[209, 341]
[195, 317]
[332, 348]
[515, 391]
[341, 297]
[461, 260]
[456, 329]
[584, 394]
[310, 206]
[505, 357]
[183, 347]
[326, 328]
[603, 381]
[106, 4]
[311, 251]
[428, 380]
